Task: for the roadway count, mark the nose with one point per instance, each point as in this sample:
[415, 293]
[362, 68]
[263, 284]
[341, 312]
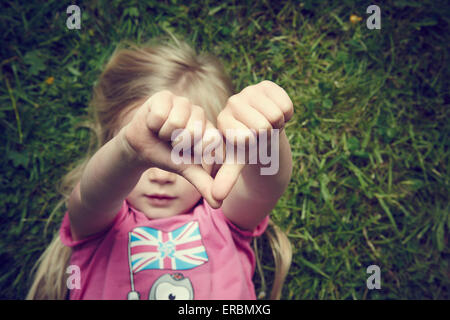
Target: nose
[160, 176]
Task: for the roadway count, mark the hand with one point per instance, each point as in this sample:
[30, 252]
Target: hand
[149, 136]
[264, 106]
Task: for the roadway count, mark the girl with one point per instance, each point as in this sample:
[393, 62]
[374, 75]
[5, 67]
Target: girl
[139, 226]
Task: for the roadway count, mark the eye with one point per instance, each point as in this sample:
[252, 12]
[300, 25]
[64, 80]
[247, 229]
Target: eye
[167, 291]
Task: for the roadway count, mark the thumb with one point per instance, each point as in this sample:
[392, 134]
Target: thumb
[225, 180]
[201, 180]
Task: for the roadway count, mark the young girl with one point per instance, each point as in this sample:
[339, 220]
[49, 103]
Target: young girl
[139, 226]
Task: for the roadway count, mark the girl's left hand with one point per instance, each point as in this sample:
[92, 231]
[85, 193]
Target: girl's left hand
[264, 106]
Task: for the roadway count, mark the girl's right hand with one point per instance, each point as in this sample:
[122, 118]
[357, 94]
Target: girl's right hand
[148, 137]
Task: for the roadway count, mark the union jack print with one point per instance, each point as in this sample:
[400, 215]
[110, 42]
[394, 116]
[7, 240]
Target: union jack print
[180, 249]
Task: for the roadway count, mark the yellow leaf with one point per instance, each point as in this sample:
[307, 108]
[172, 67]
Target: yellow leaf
[49, 80]
[354, 18]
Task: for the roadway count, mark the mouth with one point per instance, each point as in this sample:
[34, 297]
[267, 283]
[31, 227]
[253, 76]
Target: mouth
[160, 196]
[160, 200]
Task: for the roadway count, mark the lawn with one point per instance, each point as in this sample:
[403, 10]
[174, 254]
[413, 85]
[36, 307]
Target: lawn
[369, 137]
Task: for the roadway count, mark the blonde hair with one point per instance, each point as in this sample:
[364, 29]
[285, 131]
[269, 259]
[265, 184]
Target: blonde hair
[132, 75]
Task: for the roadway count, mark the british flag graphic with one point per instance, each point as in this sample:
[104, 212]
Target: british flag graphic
[180, 249]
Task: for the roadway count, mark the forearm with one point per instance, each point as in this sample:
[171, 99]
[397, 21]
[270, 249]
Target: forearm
[254, 195]
[110, 175]
[256, 190]
[268, 187]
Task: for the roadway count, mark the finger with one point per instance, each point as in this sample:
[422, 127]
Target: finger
[247, 114]
[279, 96]
[269, 109]
[225, 180]
[196, 125]
[160, 105]
[234, 131]
[215, 169]
[212, 147]
[177, 118]
[201, 180]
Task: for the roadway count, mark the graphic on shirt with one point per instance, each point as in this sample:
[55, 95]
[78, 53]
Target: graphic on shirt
[180, 249]
[172, 287]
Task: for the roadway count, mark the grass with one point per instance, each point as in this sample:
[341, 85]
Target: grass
[370, 134]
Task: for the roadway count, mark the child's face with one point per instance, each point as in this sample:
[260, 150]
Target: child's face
[160, 193]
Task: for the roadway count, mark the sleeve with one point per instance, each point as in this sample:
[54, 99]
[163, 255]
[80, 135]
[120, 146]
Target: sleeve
[236, 231]
[65, 233]
[258, 231]
[235, 243]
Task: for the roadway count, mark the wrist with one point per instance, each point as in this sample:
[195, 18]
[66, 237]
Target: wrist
[129, 155]
[275, 174]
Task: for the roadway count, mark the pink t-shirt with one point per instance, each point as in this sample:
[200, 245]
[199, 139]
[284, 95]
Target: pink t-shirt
[197, 255]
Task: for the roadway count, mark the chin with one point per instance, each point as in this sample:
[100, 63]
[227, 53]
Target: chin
[158, 214]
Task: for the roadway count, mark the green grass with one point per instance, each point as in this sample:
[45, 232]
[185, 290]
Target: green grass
[370, 134]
